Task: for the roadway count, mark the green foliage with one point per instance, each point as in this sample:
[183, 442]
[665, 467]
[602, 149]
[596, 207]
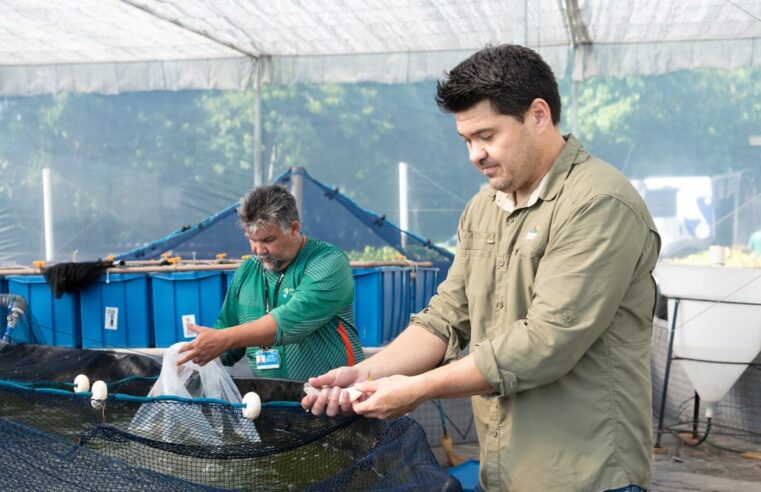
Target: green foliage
[386, 253]
[151, 162]
[687, 123]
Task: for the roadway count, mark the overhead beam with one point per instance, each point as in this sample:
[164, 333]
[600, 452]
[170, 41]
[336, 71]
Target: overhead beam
[148, 10]
[578, 31]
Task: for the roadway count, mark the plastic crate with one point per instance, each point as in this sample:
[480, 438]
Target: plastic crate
[181, 294]
[116, 312]
[54, 321]
[381, 303]
[229, 274]
[423, 281]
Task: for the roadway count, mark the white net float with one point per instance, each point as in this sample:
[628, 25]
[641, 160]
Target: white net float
[81, 384]
[99, 394]
[253, 405]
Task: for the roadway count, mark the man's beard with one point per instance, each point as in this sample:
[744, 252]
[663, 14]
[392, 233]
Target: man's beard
[271, 264]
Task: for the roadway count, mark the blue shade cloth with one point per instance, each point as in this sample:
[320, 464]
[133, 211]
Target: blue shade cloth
[326, 214]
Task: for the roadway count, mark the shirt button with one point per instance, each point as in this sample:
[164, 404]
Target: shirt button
[501, 262]
[511, 219]
[499, 304]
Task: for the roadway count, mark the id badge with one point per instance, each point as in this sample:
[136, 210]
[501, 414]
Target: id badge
[268, 359]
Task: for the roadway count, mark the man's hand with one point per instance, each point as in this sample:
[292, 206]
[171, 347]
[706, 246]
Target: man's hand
[207, 346]
[390, 397]
[332, 399]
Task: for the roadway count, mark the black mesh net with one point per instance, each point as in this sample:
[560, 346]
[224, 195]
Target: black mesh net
[53, 439]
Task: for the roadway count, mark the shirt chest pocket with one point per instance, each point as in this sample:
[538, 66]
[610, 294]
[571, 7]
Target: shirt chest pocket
[478, 244]
[527, 253]
[479, 253]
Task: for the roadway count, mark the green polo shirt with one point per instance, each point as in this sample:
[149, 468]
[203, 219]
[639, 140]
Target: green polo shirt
[556, 301]
[313, 307]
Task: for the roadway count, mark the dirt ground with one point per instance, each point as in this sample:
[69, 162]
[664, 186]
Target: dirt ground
[705, 467]
[683, 468]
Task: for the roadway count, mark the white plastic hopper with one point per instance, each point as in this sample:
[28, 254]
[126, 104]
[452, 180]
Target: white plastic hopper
[718, 320]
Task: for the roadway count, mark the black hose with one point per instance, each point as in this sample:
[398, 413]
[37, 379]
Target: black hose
[701, 440]
[705, 436]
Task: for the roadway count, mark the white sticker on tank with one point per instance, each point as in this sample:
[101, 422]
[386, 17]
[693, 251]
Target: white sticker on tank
[111, 320]
[186, 319]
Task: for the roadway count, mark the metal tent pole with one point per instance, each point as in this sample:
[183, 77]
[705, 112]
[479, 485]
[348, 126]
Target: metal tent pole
[47, 206]
[404, 209]
[664, 392]
[258, 124]
[297, 189]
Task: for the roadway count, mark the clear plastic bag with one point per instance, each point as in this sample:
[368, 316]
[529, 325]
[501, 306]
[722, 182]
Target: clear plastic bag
[190, 423]
[176, 380]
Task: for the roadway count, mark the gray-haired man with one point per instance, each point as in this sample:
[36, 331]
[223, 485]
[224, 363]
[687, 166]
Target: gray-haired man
[289, 306]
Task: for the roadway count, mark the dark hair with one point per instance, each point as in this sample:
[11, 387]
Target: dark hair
[267, 205]
[508, 75]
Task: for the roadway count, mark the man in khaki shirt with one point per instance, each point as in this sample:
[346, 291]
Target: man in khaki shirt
[552, 288]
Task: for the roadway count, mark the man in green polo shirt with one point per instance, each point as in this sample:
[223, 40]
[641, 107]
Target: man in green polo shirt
[289, 306]
[551, 288]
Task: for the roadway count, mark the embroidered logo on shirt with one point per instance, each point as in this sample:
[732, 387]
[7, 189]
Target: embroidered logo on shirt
[286, 291]
[530, 235]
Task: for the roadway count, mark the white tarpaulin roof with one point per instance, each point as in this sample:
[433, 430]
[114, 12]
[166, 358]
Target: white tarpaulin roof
[115, 46]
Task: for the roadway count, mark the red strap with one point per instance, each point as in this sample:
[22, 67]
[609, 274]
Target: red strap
[347, 344]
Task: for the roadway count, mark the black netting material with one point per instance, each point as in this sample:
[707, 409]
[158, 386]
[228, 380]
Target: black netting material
[56, 441]
[71, 277]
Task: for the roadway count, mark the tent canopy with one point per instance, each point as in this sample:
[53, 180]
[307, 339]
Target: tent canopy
[112, 46]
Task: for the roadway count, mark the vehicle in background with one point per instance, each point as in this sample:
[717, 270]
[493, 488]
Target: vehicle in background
[693, 212]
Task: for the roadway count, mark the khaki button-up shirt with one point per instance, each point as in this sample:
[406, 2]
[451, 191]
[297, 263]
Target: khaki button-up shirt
[556, 300]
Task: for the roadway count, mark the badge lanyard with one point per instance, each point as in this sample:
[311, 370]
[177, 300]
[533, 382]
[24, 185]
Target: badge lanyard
[277, 284]
[274, 294]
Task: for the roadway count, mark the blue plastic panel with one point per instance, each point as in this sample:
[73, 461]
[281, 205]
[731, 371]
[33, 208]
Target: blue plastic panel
[116, 312]
[229, 274]
[381, 303]
[424, 281]
[467, 474]
[56, 320]
[175, 295]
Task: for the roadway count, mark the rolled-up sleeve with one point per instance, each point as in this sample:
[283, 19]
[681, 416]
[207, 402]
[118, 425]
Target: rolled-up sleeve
[447, 313]
[580, 282]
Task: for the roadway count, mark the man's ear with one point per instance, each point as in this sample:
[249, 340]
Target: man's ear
[540, 115]
[295, 228]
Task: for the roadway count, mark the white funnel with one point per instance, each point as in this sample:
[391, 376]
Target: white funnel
[729, 331]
